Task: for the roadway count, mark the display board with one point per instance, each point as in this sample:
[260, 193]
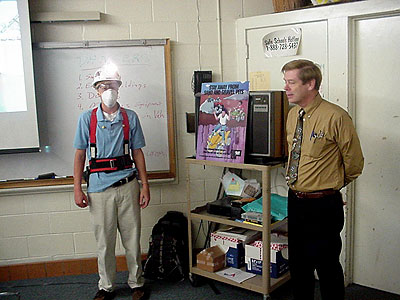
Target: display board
[63, 78]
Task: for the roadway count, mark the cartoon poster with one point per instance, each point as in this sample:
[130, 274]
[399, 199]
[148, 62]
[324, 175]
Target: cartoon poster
[221, 133]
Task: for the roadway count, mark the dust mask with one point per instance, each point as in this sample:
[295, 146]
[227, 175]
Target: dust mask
[109, 97]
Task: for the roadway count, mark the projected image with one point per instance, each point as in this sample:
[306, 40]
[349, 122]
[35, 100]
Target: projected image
[12, 84]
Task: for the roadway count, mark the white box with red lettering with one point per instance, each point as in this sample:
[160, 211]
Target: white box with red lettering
[279, 256]
[232, 241]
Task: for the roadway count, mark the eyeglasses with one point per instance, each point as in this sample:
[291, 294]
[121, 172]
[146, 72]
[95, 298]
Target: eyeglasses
[109, 85]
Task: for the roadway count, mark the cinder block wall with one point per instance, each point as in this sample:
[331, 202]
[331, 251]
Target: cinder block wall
[45, 225]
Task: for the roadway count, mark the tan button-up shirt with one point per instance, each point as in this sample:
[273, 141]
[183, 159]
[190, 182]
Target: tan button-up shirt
[331, 155]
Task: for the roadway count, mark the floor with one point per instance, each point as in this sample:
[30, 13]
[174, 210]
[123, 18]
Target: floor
[85, 286]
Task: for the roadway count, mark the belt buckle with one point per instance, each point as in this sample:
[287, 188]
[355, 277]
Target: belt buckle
[126, 180]
[112, 163]
[299, 194]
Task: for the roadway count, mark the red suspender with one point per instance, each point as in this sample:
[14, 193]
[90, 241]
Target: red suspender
[125, 126]
[93, 126]
[125, 123]
[92, 131]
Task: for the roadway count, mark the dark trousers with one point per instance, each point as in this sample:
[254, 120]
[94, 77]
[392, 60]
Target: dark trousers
[314, 227]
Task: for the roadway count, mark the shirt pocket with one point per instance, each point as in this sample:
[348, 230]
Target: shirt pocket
[317, 147]
[322, 146]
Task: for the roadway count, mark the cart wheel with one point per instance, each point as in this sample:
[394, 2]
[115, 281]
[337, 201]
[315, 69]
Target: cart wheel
[195, 280]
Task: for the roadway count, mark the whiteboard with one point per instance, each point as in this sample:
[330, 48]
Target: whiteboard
[63, 77]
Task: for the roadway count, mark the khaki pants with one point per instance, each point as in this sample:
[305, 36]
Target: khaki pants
[117, 208]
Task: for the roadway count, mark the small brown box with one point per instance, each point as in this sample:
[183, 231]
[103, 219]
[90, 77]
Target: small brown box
[211, 259]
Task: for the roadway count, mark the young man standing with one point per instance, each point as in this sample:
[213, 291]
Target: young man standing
[325, 156]
[107, 134]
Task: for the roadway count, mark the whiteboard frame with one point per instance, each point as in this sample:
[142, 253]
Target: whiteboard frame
[155, 176]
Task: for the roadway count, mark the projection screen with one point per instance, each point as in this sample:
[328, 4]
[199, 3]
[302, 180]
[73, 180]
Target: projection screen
[18, 117]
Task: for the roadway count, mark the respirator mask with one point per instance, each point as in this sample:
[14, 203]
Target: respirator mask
[109, 97]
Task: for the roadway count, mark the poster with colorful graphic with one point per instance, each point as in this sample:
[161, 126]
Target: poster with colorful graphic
[221, 133]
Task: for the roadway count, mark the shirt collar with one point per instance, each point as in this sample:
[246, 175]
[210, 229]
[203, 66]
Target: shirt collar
[310, 108]
[99, 114]
[101, 118]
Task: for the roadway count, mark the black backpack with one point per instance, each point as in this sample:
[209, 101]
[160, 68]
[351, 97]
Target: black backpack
[168, 249]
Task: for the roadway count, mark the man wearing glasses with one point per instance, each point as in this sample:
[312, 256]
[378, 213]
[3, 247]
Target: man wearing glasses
[112, 138]
[325, 156]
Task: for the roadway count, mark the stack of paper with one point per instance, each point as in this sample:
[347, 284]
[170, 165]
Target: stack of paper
[235, 274]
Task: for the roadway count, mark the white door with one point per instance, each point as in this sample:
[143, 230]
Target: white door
[377, 196]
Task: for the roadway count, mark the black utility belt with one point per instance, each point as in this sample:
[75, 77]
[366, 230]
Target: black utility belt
[110, 164]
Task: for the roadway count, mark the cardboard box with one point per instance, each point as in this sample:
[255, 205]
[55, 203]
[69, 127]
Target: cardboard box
[279, 259]
[211, 259]
[232, 242]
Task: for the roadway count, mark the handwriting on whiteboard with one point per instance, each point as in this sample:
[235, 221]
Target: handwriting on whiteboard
[88, 61]
[86, 95]
[150, 153]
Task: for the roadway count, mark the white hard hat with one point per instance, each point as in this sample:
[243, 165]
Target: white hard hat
[107, 72]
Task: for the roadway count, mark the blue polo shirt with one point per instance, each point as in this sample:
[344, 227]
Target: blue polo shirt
[109, 141]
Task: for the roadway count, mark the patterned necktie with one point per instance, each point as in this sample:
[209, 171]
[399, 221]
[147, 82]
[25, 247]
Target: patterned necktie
[291, 175]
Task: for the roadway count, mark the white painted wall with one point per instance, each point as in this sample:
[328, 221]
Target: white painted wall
[360, 74]
[44, 224]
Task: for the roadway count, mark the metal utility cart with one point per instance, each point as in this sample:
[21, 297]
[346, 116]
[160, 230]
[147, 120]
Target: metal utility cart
[261, 284]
